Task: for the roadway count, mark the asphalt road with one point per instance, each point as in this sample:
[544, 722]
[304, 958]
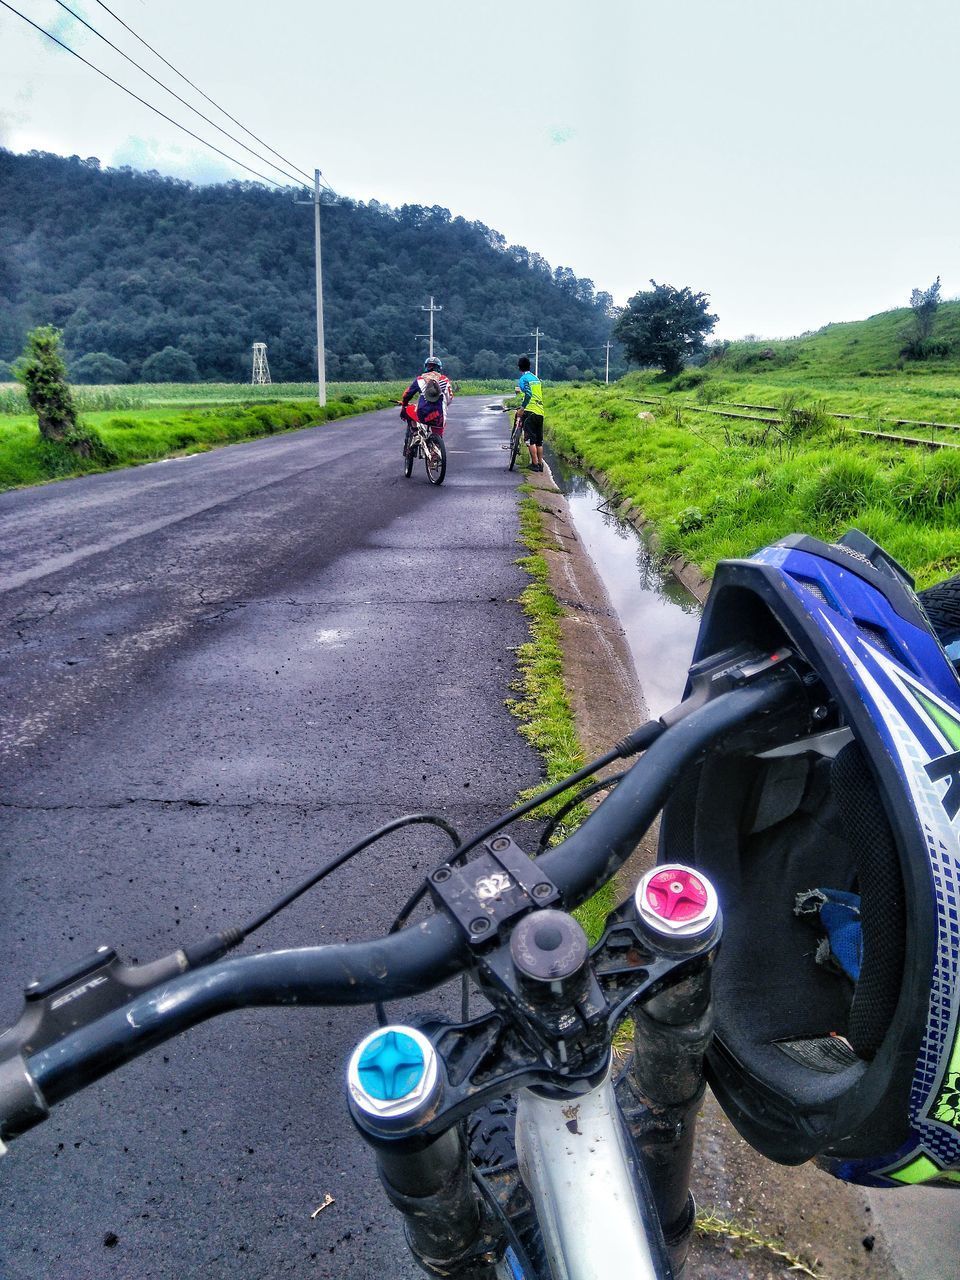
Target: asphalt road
[217, 672]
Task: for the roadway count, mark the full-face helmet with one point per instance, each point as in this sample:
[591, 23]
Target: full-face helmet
[432, 364]
[837, 862]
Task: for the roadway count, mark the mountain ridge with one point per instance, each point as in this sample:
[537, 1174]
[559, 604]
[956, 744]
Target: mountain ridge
[128, 263]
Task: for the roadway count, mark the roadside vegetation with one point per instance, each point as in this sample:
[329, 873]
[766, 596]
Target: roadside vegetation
[716, 486]
[124, 426]
[147, 435]
[542, 706]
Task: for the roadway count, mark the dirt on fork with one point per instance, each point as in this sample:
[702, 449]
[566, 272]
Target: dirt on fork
[789, 1221]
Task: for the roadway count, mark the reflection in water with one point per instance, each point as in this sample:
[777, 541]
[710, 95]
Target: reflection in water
[659, 616]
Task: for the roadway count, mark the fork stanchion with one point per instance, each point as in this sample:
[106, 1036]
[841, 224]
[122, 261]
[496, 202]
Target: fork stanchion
[662, 1092]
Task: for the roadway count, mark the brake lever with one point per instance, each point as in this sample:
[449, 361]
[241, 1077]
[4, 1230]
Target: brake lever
[732, 668]
[57, 1005]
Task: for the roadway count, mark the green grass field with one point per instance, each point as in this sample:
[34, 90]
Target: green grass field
[717, 487]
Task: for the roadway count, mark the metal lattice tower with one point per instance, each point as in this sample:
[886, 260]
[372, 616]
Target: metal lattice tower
[261, 370]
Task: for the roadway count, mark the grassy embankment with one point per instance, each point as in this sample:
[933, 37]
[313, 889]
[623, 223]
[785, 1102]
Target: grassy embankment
[140, 424]
[716, 487]
[542, 706]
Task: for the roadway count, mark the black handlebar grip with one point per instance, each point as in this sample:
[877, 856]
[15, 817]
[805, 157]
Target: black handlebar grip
[22, 1105]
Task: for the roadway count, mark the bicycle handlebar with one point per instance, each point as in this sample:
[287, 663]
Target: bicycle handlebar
[407, 963]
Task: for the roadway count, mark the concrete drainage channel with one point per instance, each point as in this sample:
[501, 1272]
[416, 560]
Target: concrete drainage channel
[839, 1232]
[658, 614]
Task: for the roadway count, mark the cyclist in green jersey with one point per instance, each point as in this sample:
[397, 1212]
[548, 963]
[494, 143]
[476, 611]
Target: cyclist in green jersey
[531, 388]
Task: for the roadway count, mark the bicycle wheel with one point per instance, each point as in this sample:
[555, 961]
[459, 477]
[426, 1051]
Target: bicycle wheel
[941, 604]
[491, 1139]
[516, 439]
[409, 454]
[435, 456]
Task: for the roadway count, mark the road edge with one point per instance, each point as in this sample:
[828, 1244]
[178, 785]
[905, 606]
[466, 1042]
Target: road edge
[798, 1209]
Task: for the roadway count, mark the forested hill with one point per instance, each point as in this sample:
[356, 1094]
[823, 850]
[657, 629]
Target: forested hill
[128, 264]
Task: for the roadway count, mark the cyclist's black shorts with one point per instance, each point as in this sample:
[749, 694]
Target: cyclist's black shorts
[533, 427]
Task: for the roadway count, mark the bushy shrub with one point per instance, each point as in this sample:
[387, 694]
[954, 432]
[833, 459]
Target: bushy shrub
[802, 420]
[690, 519]
[924, 349]
[689, 379]
[843, 489]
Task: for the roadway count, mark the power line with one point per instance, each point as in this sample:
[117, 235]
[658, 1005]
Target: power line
[273, 182]
[183, 101]
[202, 94]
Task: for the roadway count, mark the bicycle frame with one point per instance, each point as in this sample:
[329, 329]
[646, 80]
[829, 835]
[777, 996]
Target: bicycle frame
[592, 1201]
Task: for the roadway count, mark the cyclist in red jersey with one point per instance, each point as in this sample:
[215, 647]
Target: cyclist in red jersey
[434, 393]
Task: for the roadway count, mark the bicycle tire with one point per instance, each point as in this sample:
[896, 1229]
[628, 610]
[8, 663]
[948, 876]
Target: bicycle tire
[515, 440]
[491, 1138]
[435, 458]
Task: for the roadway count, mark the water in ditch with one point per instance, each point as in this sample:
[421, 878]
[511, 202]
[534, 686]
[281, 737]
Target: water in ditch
[659, 616]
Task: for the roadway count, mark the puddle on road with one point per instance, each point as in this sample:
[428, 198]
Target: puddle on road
[659, 616]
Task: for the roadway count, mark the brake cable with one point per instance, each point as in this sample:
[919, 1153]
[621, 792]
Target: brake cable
[633, 744]
[601, 784]
[216, 945]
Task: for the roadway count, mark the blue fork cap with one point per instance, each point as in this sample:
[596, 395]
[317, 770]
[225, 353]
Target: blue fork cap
[393, 1073]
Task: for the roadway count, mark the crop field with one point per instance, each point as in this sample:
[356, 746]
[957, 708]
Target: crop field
[152, 395]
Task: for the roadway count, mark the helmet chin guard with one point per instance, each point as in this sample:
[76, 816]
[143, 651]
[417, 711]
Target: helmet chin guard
[836, 859]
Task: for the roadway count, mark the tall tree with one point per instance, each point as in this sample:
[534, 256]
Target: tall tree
[924, 303]
[169, 365]
[44, 375]
[665, 326]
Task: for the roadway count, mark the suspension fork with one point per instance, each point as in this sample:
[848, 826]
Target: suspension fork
[662, 1091]
[392, 1080]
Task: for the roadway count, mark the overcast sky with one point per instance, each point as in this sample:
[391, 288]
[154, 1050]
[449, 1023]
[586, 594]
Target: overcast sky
[795, 161]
